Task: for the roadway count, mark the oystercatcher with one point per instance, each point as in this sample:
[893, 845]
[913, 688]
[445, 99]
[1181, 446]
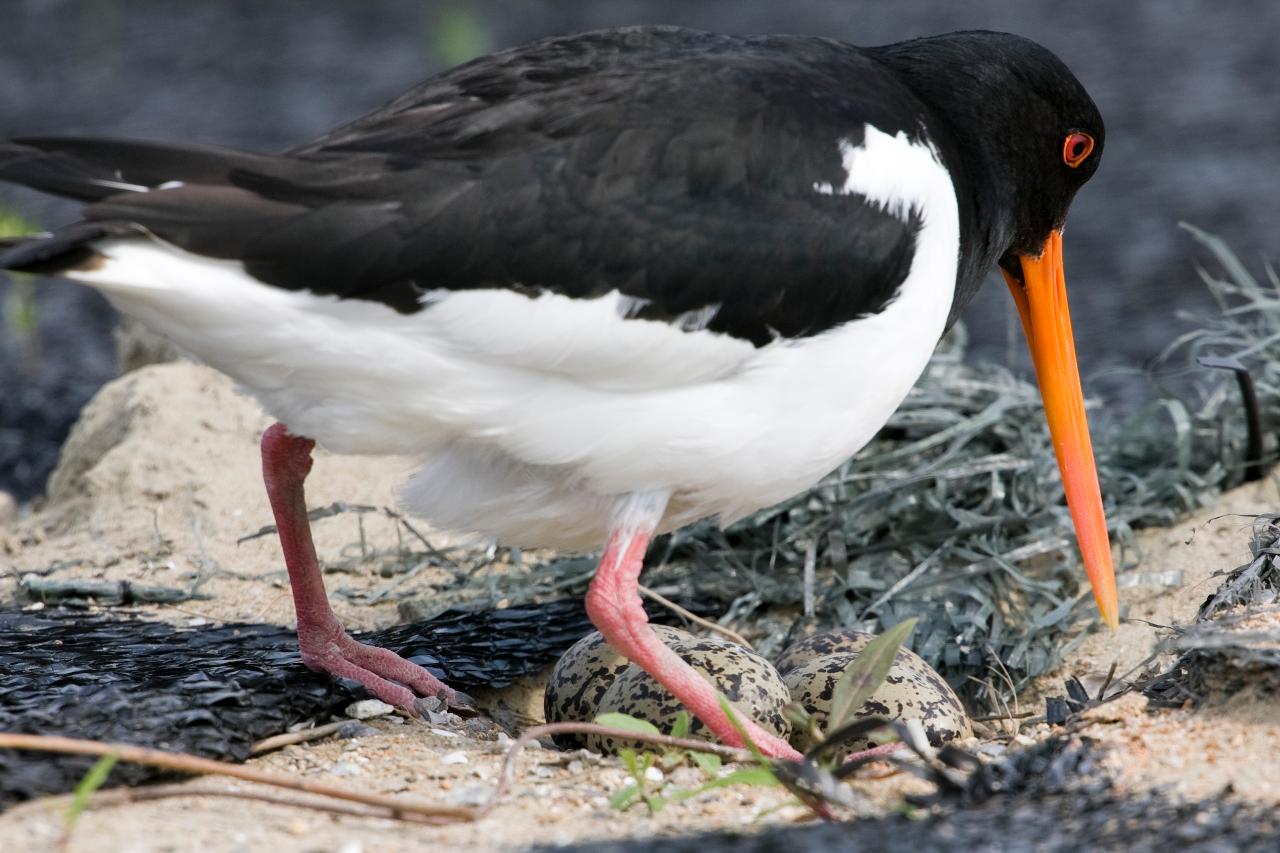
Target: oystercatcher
[603, 285]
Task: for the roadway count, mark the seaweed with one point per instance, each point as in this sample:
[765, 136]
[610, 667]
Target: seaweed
[954, 514]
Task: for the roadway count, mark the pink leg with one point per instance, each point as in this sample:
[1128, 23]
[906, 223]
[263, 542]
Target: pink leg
[325, 645]
[613, 603]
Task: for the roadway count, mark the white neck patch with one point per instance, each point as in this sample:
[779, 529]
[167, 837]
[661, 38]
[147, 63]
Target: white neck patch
[899, 175]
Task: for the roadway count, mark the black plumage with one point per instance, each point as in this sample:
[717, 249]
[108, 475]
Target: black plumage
[677, 167]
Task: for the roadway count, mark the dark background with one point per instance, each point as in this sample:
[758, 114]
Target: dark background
[1187, 88]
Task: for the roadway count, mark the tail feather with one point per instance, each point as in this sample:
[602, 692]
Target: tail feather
[55, 252]
[200, 207]
[331, 224]
[94, 169]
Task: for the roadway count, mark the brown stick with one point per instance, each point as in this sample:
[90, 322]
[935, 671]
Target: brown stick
[124, 796]
[396, 808]
[693, 617]
[280, 741]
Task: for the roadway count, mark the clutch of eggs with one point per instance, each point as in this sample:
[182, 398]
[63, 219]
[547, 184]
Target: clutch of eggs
[592, 679]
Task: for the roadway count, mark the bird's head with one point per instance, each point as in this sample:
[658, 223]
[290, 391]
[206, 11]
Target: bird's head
[1032, 137]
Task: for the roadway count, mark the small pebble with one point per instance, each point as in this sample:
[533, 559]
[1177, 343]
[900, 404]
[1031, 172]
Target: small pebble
[441, 718]
[343, 768]
[653, 774]
[454, 758]
[367, 709]
[470, 795]
[354, 729]
[444, 733]
[687, 777]
[478, 725]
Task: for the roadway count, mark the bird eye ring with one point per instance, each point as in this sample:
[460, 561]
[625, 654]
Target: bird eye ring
[1076, 148]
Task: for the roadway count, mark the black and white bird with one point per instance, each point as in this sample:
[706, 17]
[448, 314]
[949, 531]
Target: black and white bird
[603, 285]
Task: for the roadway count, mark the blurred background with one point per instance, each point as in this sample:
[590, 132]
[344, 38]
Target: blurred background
[1187, 88]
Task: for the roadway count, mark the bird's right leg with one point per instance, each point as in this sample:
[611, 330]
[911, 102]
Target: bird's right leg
[615, 608]
[324, 643]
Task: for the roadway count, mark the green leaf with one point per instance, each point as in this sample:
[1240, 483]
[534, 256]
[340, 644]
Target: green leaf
[654, 802]
[757, 774]
[627, 723]
[732, 714]
[625, 798]
[795, 714]
[680, 728]
[91, 782]
[628, 757]
[866, 673]
[707, 763]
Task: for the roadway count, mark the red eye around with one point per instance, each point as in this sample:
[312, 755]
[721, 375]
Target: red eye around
[1076, 148]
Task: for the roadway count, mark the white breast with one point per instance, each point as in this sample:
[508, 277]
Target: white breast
[532, 415]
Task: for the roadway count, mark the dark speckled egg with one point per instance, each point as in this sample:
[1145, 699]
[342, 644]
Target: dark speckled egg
[912, 690]
[748, 680]
[583, 674]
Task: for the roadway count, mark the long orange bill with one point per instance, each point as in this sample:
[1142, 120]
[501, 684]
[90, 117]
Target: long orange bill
[1042, 301]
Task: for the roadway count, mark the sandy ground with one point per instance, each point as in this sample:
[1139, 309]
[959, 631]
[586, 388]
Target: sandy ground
[160, 479]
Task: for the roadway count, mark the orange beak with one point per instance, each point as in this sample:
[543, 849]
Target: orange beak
[1042, 301]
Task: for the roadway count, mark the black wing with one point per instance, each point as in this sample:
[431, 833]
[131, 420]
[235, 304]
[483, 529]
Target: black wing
[677, 167]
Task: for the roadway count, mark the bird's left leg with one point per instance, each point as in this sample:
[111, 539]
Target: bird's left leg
[324, 643]
[613, 603]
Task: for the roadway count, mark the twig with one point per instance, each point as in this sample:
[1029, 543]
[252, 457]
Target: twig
[280, 741]
[1003, 671]
[426, 543]
[392, 807]
[808, 597]
[124, 796]
[335, 508]
[1111, 674]
[993, 718]
[693, 617]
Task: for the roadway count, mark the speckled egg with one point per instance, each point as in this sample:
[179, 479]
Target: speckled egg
[749, 681]
[912, 690]
[583, 674]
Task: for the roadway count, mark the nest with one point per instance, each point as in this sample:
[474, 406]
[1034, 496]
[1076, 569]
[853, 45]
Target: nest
[955, 515]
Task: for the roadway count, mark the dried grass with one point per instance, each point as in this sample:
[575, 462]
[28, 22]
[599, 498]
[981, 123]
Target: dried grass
[954, 515]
